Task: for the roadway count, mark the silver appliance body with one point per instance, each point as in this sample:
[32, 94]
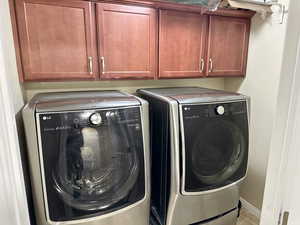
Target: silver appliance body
[172, 203]
[129, 209]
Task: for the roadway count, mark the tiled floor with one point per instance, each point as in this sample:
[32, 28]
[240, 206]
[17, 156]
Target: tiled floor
[247, 219]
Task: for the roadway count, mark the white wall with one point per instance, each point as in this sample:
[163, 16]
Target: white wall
[13, 206]
[261, 84]
[9, 57]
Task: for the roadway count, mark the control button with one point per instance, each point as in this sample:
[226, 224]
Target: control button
[95, 119]
[112, 115]
[220, 110]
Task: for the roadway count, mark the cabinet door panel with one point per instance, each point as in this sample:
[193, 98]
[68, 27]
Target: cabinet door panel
[127, 40]
[182, 40]
[57, 39]
[228, 46]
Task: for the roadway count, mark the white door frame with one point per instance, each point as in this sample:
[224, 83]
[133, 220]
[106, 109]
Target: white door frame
[283, 153]
[288, 200]
[291, 193]
[13, 200]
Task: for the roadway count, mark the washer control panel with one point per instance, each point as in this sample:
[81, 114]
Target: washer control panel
[90, 118]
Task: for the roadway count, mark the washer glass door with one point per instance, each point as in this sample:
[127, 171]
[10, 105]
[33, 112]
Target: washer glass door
[93, 161]
[216, 145]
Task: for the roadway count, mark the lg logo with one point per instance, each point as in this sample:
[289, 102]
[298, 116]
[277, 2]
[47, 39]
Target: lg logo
[47, 117]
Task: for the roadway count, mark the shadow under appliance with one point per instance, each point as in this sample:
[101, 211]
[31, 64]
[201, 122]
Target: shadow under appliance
[199, 154]
[88, 155]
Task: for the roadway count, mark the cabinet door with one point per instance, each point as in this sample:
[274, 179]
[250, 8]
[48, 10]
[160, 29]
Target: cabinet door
[228, 46]
[127, 40]
[57, 39]
[182, 41]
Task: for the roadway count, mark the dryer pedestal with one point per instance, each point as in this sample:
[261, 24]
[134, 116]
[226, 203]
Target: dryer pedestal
[227, 219]
[219, 207]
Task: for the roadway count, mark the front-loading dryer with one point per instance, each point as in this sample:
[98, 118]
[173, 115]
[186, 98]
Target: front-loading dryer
[199, 154]
[89, 158]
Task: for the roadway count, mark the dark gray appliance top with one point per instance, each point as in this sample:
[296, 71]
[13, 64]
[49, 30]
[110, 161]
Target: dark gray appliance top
[70, 101]
[192, 95]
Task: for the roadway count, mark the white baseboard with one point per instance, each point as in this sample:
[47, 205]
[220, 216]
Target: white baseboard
[250, 208]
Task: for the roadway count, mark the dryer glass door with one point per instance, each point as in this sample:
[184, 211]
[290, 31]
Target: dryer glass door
[92, 161]
[215, 145]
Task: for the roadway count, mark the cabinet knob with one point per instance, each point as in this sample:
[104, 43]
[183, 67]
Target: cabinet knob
[210, 65]
[90, 64]
[202, 65]
[103, 64]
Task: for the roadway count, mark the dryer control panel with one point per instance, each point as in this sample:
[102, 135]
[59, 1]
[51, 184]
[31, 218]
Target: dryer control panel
[214, 109]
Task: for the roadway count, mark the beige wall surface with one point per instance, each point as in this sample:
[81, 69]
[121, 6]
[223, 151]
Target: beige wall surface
[261, 84]
[129, 86]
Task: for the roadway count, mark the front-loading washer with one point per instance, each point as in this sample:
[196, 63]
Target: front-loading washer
[199, 154]
[89, 158]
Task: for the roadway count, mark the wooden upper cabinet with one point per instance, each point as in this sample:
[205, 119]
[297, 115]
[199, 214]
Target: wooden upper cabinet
[182, 44]
[57, 39]
[77, 40]
[228, 46]
[127, 37]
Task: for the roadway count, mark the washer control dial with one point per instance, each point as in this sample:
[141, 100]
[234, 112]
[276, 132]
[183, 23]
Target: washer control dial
[220, 110]
[96, 119]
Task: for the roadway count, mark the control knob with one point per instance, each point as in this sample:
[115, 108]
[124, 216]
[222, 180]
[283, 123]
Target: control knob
[220, 110]
[95, 119]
